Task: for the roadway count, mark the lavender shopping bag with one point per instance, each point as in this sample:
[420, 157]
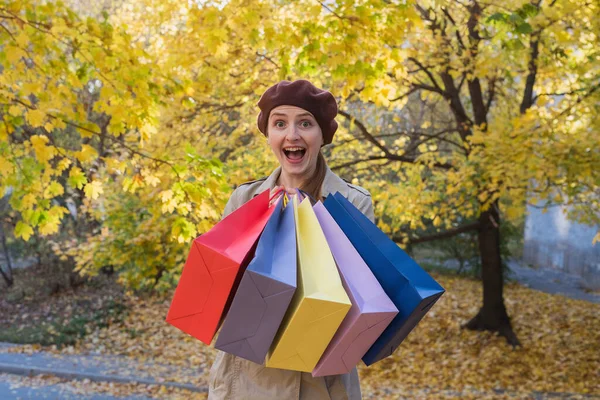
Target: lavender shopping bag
[265, 290]
[371, 312]
[411, 289]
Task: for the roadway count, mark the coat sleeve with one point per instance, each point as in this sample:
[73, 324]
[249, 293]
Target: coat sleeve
[366, 207]
[233, 203]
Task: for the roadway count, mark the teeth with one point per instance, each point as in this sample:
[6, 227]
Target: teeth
[293, 148]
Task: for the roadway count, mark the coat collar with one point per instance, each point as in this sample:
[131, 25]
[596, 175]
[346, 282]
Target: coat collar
[331, 184]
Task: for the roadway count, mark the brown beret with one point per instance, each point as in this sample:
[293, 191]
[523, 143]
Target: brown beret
[303, 94]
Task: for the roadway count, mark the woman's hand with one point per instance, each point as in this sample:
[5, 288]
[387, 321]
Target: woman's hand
[273, 195]
[282, 189]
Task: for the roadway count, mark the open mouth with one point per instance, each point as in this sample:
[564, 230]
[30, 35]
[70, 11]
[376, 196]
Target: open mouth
[294, 154]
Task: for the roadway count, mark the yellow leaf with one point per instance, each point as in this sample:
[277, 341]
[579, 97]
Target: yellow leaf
[14, 54]
[86, 153]
[32, 87]
[6, 167]
[63, 164]
[14, 110]
[150, 178]
[147, 130]
[77, 178]
[23, 39]
[59, 124]
[35, 118]
[93, 189]
[42, 152]
[53, 190]
[23, 230]
[28, 201]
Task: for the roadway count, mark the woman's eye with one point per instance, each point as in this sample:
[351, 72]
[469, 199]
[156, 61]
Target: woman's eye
[279, 124]
[306, 124]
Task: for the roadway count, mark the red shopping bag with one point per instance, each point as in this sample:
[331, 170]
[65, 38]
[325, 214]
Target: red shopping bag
[213, 268]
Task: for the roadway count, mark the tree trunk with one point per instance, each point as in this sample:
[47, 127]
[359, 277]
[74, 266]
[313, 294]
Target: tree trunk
[492, 316]
[8, 276]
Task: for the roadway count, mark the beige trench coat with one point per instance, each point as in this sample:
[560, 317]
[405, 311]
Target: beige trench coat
[233, 377]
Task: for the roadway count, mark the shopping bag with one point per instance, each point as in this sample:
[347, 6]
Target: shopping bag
[265, 290]
[411, 289]
[213, 268]
[319, 304]
[371, 312]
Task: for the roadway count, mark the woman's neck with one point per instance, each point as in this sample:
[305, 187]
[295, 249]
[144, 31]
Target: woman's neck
[291, 181]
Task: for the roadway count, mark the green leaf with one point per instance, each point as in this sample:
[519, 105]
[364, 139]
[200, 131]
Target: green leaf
[524, 28]
[497, 17]
[528, 10]
[77, 178]
[516, 19]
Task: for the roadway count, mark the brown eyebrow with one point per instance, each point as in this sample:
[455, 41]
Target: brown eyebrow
[305, 114]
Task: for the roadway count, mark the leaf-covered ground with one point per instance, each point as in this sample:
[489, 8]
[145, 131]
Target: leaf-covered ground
[560, 356]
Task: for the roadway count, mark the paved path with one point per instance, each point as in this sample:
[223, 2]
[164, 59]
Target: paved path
[544, 279]
[552, 281]
[17, 387]
[97, 368]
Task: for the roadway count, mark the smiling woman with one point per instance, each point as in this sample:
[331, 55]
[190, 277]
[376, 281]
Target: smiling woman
[298, 119]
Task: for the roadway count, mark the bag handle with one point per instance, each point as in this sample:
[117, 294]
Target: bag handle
[277, 192]
[286, 200]
[305, 194]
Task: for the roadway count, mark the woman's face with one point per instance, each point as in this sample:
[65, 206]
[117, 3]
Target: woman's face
[295, 138]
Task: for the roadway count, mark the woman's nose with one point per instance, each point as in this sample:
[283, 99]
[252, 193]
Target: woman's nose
[293, 134]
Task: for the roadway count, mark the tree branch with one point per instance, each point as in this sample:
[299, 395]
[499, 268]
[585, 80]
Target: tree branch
[528, 98]
[387, 153]
[459, 39]
[491, 94]
[365, 132]
[422, 86]
[351, 163]
[437, 136]
[479, 109]
[452, 93]
[442, 235]
[429, 74]
[411, 91]
[574, 91]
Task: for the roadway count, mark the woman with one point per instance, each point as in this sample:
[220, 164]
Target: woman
[298, 119]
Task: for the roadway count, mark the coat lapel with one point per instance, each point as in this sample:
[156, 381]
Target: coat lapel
[334, 183]
[270, 182]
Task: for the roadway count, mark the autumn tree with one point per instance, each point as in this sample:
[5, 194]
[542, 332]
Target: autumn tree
[80, 99]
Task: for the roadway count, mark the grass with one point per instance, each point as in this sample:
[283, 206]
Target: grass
[67, 332]
[442, 270]
[42, 308]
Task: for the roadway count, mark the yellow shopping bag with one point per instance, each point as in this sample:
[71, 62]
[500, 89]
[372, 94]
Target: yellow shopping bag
[319, 304]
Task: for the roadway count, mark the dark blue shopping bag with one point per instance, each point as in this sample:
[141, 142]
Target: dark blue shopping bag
[265, 291]
[410, 288]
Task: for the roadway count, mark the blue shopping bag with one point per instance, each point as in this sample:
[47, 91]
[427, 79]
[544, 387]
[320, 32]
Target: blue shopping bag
[265, 291]
[412, 290]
